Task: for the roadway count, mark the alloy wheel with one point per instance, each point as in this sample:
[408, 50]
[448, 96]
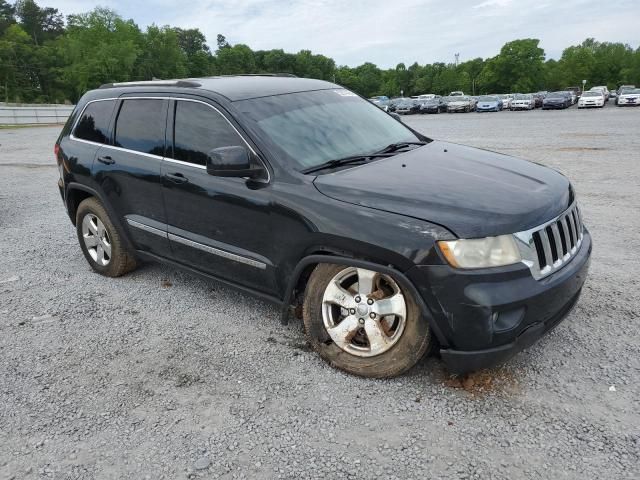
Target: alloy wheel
[96, 239]
[364, 312]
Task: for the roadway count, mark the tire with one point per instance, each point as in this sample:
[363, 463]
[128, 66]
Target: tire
[94, 227]
[407, 336]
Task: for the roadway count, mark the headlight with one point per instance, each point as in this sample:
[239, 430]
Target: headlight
[481, 252]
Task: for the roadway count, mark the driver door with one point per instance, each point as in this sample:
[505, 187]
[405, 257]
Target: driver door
[218, 225]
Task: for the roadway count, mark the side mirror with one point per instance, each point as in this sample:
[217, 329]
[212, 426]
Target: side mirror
[396, 116]
[231, 162]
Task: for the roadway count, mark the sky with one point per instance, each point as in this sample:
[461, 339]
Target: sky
[387, 32]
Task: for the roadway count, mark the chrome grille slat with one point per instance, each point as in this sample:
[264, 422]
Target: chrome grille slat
[579, 222]
[572, 229]
[565, 231]
[547, 248]
[538, 255]
[556, 237]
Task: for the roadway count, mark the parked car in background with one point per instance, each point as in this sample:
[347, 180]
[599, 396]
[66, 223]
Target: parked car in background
[603, 89]
[487, 103]
[629, 97]
[444, 103]
[380, 101]
[407, 107]
[575, 92]
[557, 100]
[538, 98]
[457, 93]
[427, 96]
[430, 106]
[506, 100]
[393, 103]
[523, 101]
[591, 98]
[622, 89]
[459, 103]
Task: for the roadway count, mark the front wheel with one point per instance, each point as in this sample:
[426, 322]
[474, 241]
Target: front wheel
[363, 322]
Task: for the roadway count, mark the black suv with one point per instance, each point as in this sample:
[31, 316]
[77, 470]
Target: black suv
[306, 194]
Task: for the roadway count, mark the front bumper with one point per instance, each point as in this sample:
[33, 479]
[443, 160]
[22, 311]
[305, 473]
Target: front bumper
[486, 316]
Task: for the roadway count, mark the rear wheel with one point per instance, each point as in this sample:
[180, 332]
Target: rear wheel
[101, 243]
[363, 322]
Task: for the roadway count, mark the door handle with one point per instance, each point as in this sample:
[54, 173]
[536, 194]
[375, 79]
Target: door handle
[176, 177]
[107, 160]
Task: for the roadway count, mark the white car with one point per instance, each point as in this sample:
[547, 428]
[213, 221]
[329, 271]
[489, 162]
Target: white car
[457, 93]
[506, 100]
[592, 98]
[523, 101]
[604, 89]
[629, 97]
[426, 96]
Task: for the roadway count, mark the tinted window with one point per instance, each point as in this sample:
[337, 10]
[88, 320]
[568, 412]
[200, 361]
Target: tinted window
[94, 123]
[199, 129]
[140, 126]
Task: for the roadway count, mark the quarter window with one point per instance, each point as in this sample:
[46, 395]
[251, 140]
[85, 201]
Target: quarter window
[94, 123]
[198, 129]
[140, 126]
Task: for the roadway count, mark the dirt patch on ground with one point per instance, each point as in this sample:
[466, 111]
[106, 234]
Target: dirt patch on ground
[484, 382]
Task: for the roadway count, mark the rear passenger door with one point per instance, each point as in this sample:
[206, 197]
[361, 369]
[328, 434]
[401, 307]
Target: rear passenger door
[219, 225]
[128, 171]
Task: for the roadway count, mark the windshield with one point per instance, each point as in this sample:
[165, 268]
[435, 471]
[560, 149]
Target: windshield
[556, 95]
[630, 91]
[310, 128]
[592, 94]
[522, 96]
[486, 98]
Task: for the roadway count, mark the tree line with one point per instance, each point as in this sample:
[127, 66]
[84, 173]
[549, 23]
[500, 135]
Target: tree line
[45, 57]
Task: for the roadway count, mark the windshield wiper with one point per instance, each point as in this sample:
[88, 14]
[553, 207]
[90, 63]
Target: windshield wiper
[338, 162]
[397, 146]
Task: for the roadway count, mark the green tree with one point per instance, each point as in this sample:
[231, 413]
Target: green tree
[234, 60]
[161, 55]
[19, 80]
[7, 15]
[41, 23]
[99, 47]
[517, 68]
[194, 45]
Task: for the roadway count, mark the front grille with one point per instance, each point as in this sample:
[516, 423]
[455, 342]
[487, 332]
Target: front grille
[555, 243]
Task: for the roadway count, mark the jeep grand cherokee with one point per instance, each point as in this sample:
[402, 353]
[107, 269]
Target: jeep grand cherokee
[304, 193]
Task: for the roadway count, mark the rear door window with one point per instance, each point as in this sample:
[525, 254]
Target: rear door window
[94, 122]
[140, 126]
[198, 129]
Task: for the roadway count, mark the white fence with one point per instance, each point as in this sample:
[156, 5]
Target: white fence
[11, 114]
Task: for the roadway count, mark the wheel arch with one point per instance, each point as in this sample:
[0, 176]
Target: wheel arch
[305, 266]
[75, 193]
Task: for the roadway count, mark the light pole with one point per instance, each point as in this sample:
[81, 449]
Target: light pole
[584, 82]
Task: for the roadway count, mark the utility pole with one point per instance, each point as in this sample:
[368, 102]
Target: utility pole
[457, 55]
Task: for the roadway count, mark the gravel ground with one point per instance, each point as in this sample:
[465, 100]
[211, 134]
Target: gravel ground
[160, 374]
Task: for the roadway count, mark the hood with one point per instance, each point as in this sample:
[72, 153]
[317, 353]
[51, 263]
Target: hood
[472, 192]
[488, 104]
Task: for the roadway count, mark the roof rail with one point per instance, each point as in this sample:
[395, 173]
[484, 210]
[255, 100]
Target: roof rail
[153, 83]
[258, 75]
